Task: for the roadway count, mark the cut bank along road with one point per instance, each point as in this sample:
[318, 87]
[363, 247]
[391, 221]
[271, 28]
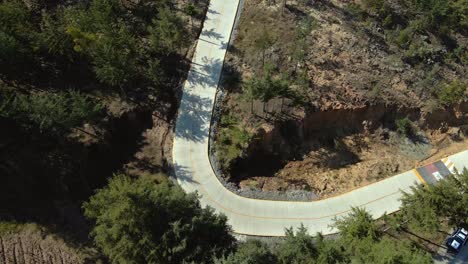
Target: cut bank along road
[250, 216]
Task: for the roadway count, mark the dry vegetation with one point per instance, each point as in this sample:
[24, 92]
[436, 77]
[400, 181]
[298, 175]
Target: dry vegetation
[352, 84]
[30, 243]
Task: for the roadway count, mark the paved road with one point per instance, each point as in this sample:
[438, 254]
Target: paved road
[250, 216]
[448, 258]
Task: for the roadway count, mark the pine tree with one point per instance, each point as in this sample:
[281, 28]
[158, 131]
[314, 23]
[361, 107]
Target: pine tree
[142, 221]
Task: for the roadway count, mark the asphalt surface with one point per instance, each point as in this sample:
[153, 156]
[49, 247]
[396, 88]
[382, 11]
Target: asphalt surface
[250, 216]
[449, 258]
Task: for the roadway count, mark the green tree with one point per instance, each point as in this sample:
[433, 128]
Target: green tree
[389, 250]
[373, 6]
[452, 93]
[250, 252]
[263, 42]
[114, 58]
[299, 52]
[364, 243]
[100, 33]
[330, 251]
[192, 11]
[298, 247]
[358, 224]
[167, 33]
[17, 60]
[425, 207]
[358, 233]
[265, 89]
[141, 221]
[459, 14]
[53, 38]
[404, 126]
[50, 112]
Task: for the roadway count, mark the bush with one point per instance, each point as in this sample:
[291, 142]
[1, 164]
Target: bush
[373, 5]
[232, 140]
[355, 11]
[403, 40]
[7, 227]
[404, 126]
[452, 93]
[459, 54]
[422, 52]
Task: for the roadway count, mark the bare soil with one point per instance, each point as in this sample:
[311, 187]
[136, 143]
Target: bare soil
[30, 244]
[338, 132]
[154, 154]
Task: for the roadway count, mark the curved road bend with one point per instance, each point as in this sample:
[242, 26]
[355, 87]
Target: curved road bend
[249, 216]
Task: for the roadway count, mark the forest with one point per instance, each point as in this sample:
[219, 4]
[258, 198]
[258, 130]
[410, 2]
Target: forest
[88, 95]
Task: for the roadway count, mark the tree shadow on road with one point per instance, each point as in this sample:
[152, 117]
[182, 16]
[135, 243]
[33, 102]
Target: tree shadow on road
[211, 34]
[205, 74]
[183, 174]
[194, 118]
[195, 111]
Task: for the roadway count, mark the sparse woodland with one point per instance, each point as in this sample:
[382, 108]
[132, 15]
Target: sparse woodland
[314, 89]
[82, 83]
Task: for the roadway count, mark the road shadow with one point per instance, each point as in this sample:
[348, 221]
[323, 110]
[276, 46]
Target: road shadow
[194, 118]
[205, 74]
[213, 69]
[182, 173]
[213, 12]
[211, 34]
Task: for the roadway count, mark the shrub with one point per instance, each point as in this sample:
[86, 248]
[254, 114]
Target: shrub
[452, 93]
[403, 40]
[51, 112]
[355, 11]
[232, 140]
[404, 126]
[7, 227]
[373, 5]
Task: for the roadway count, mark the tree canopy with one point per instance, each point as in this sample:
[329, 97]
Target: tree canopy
[298, 247]
[359, 241]
[250, 252]
[101, 42]
[52, 113]
[425, 207]
[141, 221]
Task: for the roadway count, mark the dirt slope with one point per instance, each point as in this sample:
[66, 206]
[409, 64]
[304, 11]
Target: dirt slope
[350, 84]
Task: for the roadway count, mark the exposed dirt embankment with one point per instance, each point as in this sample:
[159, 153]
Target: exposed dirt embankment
[441, 118]
[333, 151]
[338, 97]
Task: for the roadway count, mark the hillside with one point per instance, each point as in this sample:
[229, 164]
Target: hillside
[327, 96]
[87, 89]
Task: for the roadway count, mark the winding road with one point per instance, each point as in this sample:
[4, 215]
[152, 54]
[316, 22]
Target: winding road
[250, 216]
